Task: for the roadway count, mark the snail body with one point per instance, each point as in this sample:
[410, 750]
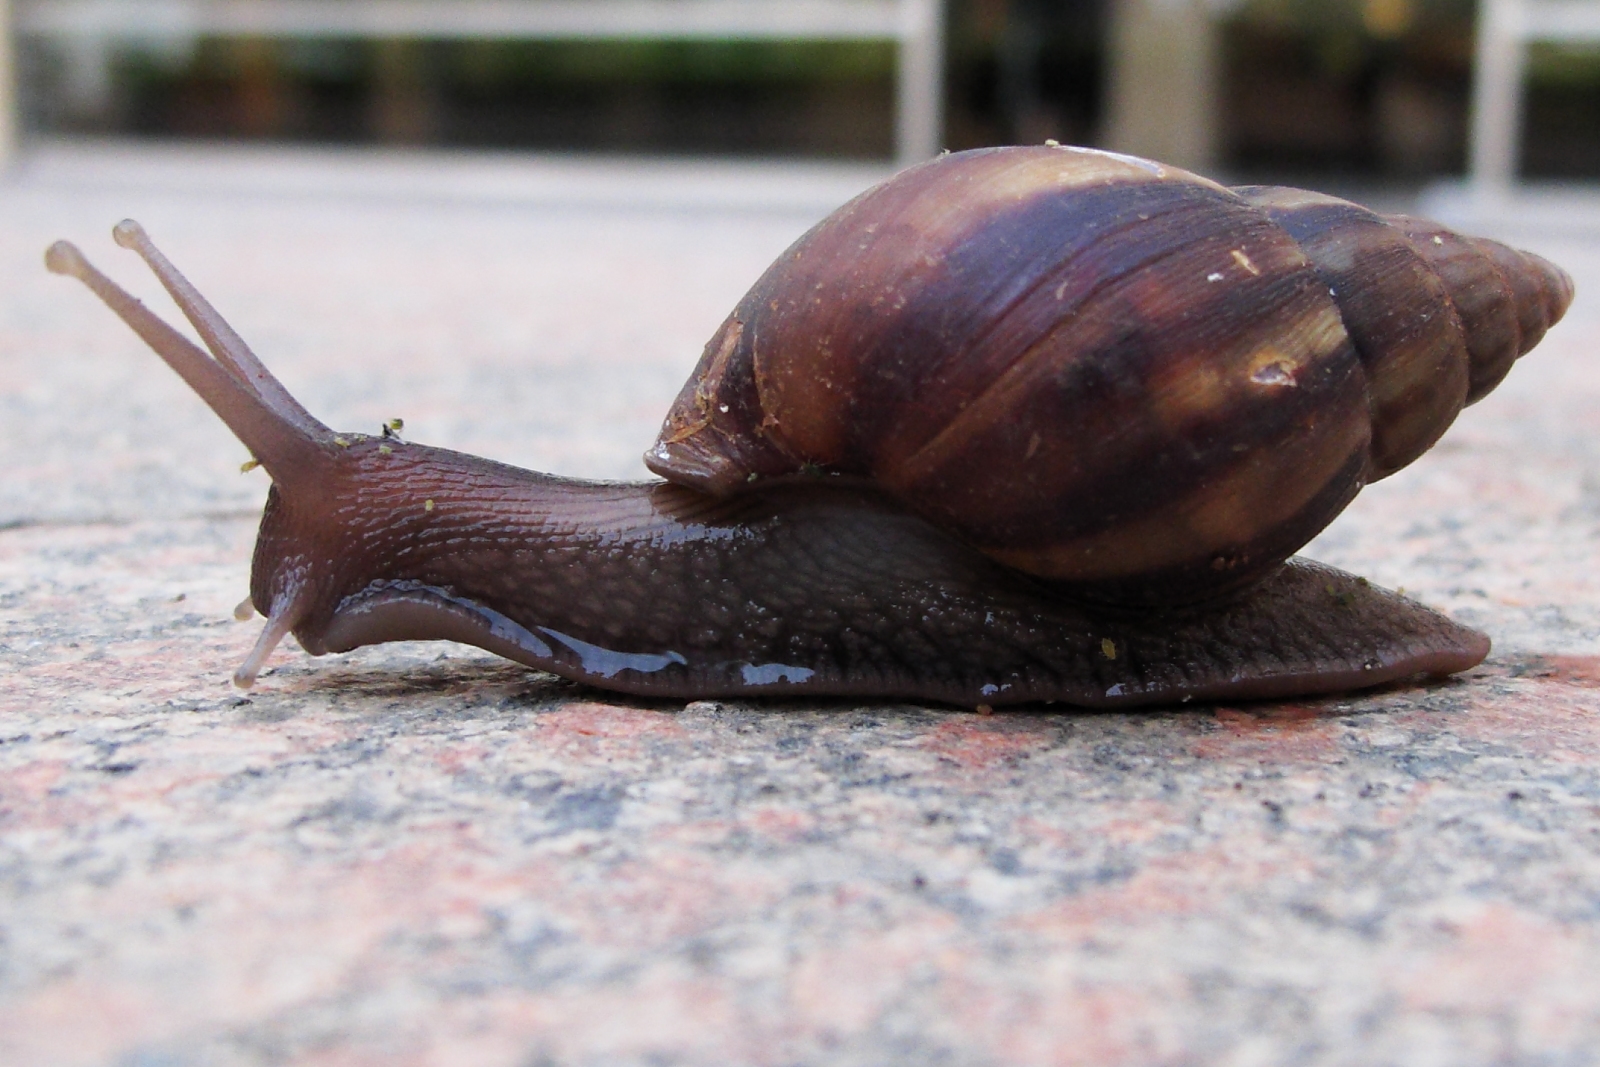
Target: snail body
[1017, 425]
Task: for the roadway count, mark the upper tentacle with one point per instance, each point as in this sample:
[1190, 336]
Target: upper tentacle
[294, 447]
[228, 347]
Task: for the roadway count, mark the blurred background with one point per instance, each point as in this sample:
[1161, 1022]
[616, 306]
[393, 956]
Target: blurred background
[1379, 89]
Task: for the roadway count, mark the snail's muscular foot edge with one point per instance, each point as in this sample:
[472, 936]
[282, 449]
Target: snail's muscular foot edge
[1309, 629]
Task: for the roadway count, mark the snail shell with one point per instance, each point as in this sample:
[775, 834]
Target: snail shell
[1144, 386]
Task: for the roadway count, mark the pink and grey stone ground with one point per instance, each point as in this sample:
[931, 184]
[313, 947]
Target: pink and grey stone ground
[420, 855]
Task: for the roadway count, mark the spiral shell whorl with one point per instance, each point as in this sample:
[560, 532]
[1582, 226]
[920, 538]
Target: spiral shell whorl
[1438, 318]
[1113, 374]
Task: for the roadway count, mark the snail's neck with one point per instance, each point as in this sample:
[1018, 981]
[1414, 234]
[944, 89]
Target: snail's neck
[386, 507]
[401, 513]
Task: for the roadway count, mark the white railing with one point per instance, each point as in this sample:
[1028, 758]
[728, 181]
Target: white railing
[10, 120]
[916, 27]
[1505, 29]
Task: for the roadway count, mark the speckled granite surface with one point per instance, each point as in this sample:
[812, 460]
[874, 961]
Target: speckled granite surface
[420, 855]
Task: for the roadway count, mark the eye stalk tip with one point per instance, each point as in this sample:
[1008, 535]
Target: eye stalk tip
[63, 257]
[128, 234]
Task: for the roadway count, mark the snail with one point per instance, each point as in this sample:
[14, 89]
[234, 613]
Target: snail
[1017, 425]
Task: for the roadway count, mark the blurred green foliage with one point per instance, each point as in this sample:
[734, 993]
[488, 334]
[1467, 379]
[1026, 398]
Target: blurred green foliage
[488, 61]
[672, 61]
[1565, 65]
